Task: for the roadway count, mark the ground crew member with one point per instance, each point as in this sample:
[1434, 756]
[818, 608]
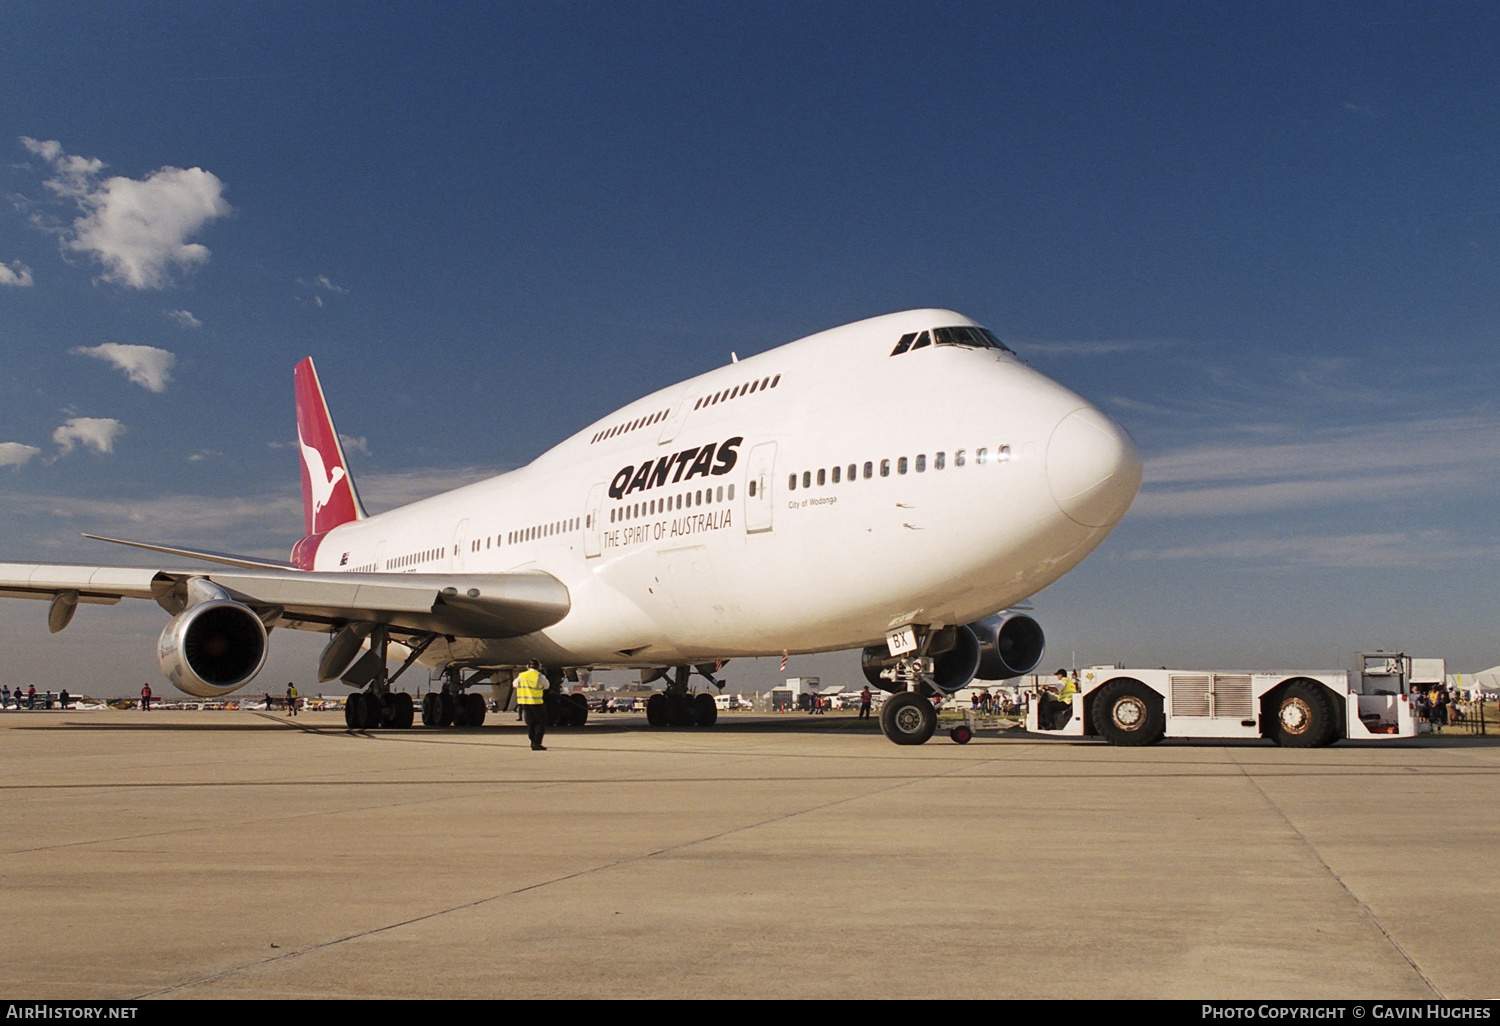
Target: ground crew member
[529, 688]
[145, 698]
[864, 703]
[1067, 687]
[291, 699]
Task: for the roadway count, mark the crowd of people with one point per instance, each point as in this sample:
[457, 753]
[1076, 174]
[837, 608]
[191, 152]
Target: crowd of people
[1441, 707]
[33, 700]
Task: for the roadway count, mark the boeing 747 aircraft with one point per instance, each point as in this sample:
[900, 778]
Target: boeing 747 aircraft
[896, 485]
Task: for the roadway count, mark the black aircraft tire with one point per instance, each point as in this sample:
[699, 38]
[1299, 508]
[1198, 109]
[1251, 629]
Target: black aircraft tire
[1126, 712]
[580, 704]
[679, 711]
[477, 709]
[432, 709]
[911, 717]
[1304, 716]
[445, 709]
[405, 712]
[656, 710]
[705, 710]
[351, 711]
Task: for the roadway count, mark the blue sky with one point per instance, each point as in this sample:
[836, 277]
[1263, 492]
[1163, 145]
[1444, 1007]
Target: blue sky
[1265, 237]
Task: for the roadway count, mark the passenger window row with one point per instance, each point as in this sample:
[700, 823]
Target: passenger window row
[973, 338]
[639, 422]
[527, 534]
[671, 503]
[412, 559]
[823, 476]
[737, 392]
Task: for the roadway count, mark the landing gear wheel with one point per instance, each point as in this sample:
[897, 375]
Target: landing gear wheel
[911, 718]
[962, 734]
[432, 709]
[705, 710]
[679, 711]
[445, 709]
[656, 710]
[1304, 717]
[1126, 712]
[404, 711]
[477, 708]
[580, 709]
[460, 705]
[362, 711]
[386, 704]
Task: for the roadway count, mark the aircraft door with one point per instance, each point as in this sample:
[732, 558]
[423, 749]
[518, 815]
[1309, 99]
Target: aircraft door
[759, 488]
[591, 528]
[679, 414]
[461, 545]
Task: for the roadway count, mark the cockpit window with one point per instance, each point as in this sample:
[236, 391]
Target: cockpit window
[964, 335]
[975, 338]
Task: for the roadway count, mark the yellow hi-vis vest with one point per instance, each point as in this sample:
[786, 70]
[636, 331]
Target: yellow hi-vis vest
[1068, 690]
[529, 688]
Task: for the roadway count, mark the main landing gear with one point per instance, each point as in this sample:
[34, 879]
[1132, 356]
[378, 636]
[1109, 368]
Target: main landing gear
[453, 706]
[675, 707]
[377, 705]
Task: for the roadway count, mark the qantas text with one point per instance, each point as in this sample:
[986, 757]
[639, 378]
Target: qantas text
[700, 461]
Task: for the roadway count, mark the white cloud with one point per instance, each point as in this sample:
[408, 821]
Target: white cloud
[353, 444]
[136, 228]
[321, 282]
[1429, 461]
[147, 366]
[16, 274]
[183, 319]
[1384, 549]
[13, 454]
[97, 433]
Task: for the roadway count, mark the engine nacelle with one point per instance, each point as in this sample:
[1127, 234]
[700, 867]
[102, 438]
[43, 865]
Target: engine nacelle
[955, 653]
[1010, 644]
[212, 648]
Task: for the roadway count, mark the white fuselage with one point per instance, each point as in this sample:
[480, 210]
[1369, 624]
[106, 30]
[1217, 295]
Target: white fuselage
[973, 458]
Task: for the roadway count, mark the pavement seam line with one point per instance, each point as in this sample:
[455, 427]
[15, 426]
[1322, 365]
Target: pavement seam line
[1368, 912]
[534, 886]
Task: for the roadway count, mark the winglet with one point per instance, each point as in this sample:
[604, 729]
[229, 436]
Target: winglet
[329, 497]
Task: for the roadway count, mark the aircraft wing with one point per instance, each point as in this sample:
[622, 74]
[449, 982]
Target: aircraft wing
[505, 605]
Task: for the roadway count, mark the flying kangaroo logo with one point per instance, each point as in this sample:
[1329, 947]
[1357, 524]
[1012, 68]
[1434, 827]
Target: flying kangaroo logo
[322, 482]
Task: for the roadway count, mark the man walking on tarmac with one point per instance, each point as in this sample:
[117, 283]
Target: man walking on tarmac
[529, 688]
[291, 699]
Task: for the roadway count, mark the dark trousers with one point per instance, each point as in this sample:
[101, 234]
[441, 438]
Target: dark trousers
[536, 723]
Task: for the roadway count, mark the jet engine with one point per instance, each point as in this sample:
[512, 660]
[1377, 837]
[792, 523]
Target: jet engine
[1010, 644]
[214, 646]
[996, 648]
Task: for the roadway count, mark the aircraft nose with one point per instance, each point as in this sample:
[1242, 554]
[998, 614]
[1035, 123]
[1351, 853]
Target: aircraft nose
[1093, 468]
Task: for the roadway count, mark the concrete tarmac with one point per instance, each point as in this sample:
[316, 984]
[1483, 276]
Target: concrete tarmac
[244, 854]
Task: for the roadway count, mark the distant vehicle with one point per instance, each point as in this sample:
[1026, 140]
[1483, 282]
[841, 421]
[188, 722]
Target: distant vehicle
[1307, 709]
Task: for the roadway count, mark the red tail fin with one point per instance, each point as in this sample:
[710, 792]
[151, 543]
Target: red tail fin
[328, 495]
